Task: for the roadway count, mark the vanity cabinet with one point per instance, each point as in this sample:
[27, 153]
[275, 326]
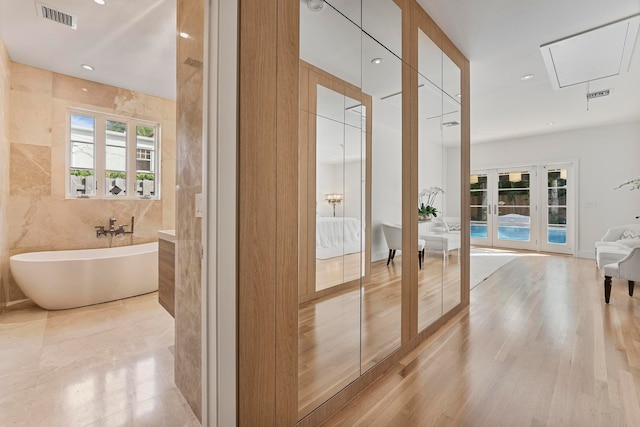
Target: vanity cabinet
[167, 270]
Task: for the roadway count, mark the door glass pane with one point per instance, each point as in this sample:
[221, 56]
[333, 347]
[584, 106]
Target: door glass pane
[514, 214]
[479, 200]
[116, 158]
[557, 206]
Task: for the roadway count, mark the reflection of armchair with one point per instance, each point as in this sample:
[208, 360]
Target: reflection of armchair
[441, 235]
[627, 268]
[393, 236]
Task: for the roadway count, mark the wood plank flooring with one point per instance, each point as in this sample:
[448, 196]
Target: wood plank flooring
[343, 335]
[538, 346]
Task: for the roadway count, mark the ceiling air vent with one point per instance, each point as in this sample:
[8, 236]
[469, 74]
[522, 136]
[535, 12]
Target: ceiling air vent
[47, 12]
[193, 62]
[599, 94]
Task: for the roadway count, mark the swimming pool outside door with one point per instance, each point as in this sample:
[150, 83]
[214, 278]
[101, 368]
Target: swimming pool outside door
[523, 208]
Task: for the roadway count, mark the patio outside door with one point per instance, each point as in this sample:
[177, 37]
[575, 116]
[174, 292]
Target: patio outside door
[512, 208]
[504, 216]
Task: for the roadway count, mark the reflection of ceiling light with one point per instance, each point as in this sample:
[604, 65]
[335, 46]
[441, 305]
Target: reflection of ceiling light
[515, 176]
[563, 174]
[87, 67]
[526, 77]
[452, 123]
[315, 5]
[183, 35]
[100, 2]
[84, 89]
[376, 61]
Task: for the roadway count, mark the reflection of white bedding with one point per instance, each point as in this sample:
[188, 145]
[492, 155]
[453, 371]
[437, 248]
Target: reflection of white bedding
[337, 236]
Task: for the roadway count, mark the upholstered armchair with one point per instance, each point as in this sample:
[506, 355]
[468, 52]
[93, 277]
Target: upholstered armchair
[393, 236]
[627, 268]
[616, 244]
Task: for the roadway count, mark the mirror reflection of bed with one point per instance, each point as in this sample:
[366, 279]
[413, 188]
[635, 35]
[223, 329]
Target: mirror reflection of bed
[339, 250]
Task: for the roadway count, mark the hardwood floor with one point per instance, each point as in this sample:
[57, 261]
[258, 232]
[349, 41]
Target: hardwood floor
[538, 346]
[343, 335]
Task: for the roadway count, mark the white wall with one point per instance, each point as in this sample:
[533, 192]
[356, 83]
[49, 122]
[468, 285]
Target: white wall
[606, 156]
[386, 179]
[452, 182]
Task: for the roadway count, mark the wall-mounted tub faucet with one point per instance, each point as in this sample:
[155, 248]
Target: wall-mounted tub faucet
[112, 230]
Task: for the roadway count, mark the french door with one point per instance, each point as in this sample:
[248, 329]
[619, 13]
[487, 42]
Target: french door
[528, 208]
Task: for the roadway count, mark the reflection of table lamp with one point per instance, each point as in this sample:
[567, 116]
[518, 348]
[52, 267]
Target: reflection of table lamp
[333, 200]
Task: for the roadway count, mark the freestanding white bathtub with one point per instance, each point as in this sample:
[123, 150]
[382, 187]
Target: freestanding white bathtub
[57, 280]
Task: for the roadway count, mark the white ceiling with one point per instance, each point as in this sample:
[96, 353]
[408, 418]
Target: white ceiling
[131, 44]
[502, 38]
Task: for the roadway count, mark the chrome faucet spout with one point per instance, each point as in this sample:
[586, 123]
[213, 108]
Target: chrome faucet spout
[112, 224]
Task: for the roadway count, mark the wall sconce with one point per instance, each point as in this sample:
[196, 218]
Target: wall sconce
[473, 179]
[333, 199]
[515, 176]
[563, 174]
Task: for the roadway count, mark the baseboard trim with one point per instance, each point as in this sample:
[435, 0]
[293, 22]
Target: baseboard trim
[587, 254]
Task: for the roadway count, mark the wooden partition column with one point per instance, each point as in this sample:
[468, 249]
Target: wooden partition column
[268, 212]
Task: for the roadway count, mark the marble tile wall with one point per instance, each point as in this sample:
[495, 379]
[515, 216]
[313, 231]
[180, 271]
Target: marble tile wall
[40, 217]
[188, 367]
[5, 69]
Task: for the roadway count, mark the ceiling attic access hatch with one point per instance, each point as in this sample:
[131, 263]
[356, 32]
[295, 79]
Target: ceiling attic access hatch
[591, 55]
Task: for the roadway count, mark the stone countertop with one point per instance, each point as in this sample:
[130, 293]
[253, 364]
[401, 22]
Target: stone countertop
[168, 235]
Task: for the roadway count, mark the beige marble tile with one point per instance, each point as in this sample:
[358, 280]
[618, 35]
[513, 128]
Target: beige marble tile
[30, 172]
[22, 335]
[129, 103]
[30, 118]
[104, 378]
[71, 89]
[167, 410]
[25, 78]
[19, 359]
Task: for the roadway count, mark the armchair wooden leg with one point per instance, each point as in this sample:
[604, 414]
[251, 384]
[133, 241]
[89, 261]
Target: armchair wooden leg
[631, 286]
[389, 259]
[607, 288]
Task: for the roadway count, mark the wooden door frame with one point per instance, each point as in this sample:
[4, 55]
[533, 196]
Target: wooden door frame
[314, 76]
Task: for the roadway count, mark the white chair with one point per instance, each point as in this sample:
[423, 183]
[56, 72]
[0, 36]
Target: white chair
[613, 246]
[439, 237]
[627, 268]
[393, 236]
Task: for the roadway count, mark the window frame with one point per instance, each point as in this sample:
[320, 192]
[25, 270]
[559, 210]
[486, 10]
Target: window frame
[99, 160]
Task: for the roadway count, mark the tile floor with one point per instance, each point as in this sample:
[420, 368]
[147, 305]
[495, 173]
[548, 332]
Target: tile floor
[104, 365]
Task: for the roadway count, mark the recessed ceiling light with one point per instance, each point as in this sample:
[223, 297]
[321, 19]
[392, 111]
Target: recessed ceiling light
[458, 95]
[184, 35]
[551, 123]
[376, 61]
[87, 67]
[526, 77]
[100, 2]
